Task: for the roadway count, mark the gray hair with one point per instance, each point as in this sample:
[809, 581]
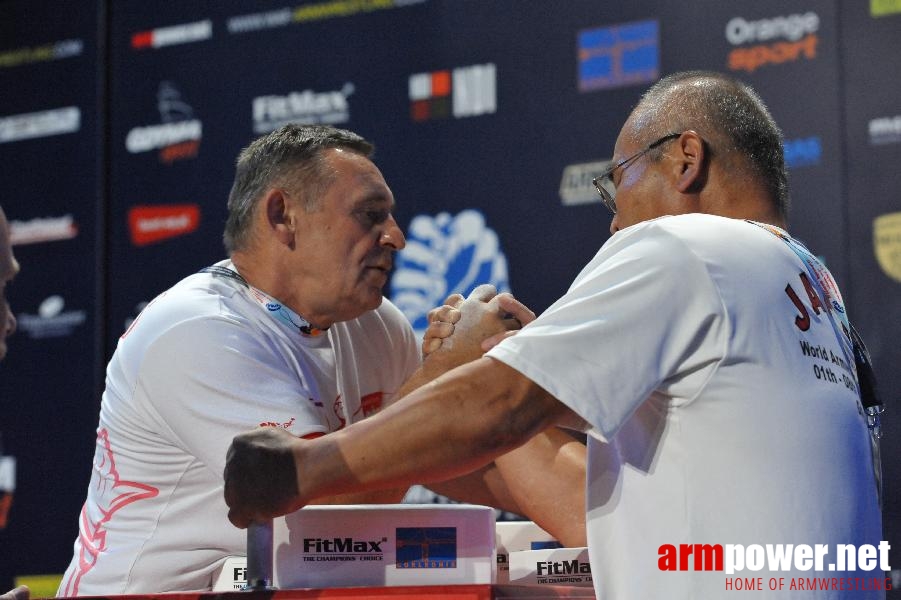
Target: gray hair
[729, 115]
[292, 152]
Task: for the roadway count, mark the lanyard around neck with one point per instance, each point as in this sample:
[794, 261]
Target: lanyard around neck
[274, 308]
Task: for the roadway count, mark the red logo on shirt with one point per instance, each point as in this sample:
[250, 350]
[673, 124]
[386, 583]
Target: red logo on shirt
[112, 495]
[372, 403]
[286, 425]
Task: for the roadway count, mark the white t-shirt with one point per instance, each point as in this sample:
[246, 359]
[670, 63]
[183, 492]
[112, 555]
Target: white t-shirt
[204, 361]
[715, 419]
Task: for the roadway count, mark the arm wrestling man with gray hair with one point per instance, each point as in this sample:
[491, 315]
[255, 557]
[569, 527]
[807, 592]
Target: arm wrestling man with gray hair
[291, 333]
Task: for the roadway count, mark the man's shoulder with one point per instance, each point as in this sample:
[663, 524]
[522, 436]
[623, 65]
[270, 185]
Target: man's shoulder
[692, 234]
[198, 300]
[693, 225]
[690, 246]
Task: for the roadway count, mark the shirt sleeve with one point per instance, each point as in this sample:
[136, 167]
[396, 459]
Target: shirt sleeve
[643, 312]
[207, 379]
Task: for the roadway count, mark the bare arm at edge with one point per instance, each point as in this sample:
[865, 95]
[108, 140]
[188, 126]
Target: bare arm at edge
[451, 426]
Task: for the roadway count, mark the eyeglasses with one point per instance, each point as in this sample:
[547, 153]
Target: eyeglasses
[604, 182]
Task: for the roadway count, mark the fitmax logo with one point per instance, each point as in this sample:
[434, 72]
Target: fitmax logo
[345, 545]
[566, 567]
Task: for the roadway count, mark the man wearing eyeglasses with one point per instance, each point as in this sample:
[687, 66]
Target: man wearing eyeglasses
[704, 351]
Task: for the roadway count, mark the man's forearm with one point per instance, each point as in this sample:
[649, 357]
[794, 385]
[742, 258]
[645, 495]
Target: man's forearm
[546, 478]
[542, 480]
[449, 427]
[483, 486]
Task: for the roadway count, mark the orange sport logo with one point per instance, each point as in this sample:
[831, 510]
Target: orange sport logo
[772, 41]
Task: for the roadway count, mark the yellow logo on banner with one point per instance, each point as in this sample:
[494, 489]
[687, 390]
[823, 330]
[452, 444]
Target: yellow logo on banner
[41, 586]
[880, 8]
[887, 243]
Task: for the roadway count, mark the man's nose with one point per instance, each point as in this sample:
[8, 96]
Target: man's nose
[392, 235]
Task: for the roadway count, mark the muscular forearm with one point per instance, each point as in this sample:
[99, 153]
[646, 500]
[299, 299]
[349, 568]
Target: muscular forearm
[484, 486]
[546, 478]
[543, 480]
[443, 430]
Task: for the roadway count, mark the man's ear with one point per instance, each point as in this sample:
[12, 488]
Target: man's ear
[280, 216]
[693, 162]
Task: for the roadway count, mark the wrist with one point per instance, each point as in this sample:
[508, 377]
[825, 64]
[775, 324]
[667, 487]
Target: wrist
[304, 477]
[440, 362]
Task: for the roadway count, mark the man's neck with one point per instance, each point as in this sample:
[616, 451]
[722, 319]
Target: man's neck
[260, 272]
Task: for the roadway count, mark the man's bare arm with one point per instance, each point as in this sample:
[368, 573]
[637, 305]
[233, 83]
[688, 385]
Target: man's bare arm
[556, 499]
[484, 319]
[543, 480]
[449, 427]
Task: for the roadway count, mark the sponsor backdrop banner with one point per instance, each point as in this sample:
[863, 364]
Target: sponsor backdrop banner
[490, 120]
[871, 100]
[51, 143]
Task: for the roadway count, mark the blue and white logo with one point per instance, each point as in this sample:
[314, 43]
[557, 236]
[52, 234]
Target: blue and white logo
[445, 255]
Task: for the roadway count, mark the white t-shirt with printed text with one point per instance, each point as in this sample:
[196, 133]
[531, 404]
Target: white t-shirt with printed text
[715, 419]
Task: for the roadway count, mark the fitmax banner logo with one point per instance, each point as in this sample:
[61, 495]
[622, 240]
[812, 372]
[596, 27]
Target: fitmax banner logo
[307, 107]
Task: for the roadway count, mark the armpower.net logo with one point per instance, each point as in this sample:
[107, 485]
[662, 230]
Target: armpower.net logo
[830, 568]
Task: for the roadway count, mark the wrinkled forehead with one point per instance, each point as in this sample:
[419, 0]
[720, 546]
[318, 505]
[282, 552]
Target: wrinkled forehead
[358, 173]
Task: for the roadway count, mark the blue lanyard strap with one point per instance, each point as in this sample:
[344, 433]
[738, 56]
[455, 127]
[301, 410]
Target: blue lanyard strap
[276, 309]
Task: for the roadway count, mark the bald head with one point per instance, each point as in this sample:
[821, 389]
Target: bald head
[729, 115]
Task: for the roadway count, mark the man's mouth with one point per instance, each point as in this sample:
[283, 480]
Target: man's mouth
[384, 267]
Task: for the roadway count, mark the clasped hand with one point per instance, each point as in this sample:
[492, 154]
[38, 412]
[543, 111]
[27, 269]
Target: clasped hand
[464, 328]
